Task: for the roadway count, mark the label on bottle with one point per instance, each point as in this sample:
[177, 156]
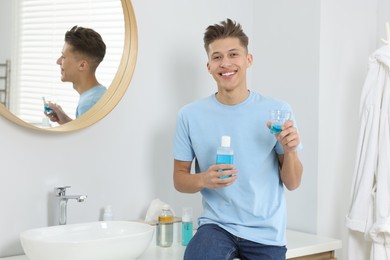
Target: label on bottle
[225, 159]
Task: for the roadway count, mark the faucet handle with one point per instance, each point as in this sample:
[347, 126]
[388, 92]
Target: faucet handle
[60, 191]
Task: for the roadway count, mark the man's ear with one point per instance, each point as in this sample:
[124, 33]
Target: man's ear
[83, 65]
[250, 60]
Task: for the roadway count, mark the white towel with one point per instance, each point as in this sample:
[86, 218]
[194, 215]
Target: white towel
[370, 206]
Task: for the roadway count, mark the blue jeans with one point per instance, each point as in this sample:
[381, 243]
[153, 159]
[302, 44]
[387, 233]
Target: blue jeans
[214, 243]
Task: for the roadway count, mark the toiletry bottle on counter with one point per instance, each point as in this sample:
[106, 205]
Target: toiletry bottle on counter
[186, 226]
[225, 153]
[107, 213]
[165, 227]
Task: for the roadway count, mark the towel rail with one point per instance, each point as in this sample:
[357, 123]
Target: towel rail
[5, 69]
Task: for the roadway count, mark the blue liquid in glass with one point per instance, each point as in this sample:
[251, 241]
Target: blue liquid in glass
[48, 109]
[225, 159]
[276, 129]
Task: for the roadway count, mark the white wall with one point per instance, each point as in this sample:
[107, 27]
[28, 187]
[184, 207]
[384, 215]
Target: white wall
[348, 37]
[383, 16]
[312, 54]
[286, 66]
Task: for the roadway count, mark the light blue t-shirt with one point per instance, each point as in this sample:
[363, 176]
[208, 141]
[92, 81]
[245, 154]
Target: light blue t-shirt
[89, 98]
[253, 207]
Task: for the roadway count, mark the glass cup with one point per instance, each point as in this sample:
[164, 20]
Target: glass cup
[278, 118]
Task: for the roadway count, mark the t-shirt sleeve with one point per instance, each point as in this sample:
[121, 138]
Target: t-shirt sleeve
[182, 147]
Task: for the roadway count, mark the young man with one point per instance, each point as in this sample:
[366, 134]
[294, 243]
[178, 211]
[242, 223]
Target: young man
[244, 214]
[82, 53]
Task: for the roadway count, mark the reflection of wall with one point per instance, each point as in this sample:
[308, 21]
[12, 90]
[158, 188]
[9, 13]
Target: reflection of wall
[125, 159]
[5, 29]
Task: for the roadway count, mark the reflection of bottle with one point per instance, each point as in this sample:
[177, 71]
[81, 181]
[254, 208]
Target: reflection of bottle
[186, 227]
[225, 153]
[165, 227]
[46, 106]
[45, 122]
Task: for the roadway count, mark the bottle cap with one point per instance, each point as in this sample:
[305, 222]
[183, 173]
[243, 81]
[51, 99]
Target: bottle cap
[225, 141]
[187, 214]
[166, 207]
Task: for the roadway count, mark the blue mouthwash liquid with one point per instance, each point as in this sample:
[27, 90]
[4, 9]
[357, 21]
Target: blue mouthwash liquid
[186, 233]
[225, 159]
[276, 129]
[48, 109]
[225, 154]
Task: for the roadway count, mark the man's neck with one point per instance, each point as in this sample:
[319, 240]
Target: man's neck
[233, 97]
[85, 85]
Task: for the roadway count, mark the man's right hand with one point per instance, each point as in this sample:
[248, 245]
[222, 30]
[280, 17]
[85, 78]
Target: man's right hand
[212, 177]
[58, 115]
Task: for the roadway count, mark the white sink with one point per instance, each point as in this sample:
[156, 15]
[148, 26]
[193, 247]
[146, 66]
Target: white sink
[112, 240]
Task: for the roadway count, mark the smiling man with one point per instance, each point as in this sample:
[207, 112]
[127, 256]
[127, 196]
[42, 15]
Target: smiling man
[81, 54]
[244, 211]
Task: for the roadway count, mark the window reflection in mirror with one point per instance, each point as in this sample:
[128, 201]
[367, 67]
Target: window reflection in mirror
[38, 42]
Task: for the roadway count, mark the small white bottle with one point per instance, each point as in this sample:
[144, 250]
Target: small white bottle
[107, 213]
[165, 227]
[225, 154]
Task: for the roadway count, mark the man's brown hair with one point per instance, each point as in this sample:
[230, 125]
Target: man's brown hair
[224, 30]
[88, 42]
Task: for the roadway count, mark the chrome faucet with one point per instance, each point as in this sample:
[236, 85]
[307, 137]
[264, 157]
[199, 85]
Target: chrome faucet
[61, 193]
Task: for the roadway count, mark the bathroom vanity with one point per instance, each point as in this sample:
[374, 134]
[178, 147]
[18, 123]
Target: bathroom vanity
[301, 246]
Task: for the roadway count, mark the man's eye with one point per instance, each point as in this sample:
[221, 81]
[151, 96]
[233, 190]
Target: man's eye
[216, 57]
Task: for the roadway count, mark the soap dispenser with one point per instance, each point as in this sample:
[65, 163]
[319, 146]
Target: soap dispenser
[186, 227]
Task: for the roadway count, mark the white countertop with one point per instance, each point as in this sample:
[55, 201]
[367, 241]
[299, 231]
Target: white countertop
[301, 244]
[298, 244]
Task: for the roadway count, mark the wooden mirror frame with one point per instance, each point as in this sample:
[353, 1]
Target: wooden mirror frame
[114, 93]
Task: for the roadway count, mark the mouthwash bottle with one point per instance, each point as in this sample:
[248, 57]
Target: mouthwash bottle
[225, 153]
[186, 226]
[165, 227]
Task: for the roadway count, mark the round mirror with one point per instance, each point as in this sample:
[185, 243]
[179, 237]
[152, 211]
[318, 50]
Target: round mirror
[115, 90]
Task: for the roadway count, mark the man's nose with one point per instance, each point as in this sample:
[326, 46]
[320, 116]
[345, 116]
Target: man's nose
[225, 62]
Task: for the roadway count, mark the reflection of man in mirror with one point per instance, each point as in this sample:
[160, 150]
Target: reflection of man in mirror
[82, 53]
[244, 212]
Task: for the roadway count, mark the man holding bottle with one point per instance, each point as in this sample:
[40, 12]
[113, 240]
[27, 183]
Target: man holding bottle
[244, 206]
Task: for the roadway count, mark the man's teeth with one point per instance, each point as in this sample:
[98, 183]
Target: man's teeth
[227, 74]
